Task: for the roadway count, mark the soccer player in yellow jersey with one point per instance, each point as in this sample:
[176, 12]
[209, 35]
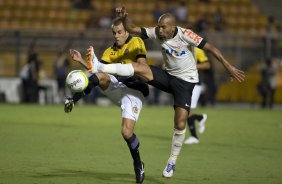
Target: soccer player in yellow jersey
[128, 93]
[202, 64]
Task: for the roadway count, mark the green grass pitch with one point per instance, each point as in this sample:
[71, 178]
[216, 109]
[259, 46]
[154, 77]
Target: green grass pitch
[44, 145]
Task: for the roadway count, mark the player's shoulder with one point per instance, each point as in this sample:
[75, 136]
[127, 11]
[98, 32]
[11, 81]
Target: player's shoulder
[136, 42]
[109, 49]
[136, 39]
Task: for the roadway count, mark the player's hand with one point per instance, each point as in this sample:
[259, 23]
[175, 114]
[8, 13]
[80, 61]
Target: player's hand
[75, 55]
[121, 12]
[236, 74]
[69, 104]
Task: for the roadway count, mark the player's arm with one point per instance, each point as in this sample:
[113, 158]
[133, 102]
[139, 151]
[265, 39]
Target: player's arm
[203, 66]
[233, 71]
[128, 24]
[76, 56]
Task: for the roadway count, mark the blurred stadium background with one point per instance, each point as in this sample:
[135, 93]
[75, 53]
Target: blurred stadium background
[249, 33]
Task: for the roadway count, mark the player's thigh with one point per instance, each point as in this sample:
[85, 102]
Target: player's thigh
[195, 96]
[131, 104]
[182, 93]
[161, 79]
[143, 70]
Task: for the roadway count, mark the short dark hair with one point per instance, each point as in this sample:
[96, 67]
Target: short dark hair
[117, 21]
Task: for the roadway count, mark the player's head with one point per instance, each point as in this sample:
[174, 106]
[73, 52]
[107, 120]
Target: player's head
[119, 32]
[166, 26]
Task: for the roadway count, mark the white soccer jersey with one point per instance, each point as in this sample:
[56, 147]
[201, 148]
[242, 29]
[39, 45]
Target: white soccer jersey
[178, 53]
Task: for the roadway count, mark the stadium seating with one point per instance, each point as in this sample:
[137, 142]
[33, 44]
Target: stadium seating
[53, 14]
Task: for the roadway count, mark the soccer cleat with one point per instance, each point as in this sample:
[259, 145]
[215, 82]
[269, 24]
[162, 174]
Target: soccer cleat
[92, 61]
[169, 169]
[202, 126]
[69, 104]
[191, 140]
[139, 173]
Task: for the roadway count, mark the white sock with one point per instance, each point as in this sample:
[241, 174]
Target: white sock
[117, 69]
[177, 141]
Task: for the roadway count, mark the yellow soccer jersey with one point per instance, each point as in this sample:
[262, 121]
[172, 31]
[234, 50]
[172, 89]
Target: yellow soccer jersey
[200, 55]
[133, 48]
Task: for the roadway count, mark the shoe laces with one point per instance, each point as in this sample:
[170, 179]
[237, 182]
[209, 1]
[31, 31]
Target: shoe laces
[170, 167]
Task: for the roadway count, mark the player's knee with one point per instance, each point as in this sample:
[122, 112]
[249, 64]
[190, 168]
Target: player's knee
[104, 80]
[143, 70]
[180, 125]
[126, 133]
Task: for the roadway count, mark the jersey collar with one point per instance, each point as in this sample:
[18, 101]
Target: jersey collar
[126, 41]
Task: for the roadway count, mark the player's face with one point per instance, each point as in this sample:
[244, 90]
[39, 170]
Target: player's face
[166, 29]
[120, 34]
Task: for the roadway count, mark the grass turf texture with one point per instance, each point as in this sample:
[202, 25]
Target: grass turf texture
[42, 144]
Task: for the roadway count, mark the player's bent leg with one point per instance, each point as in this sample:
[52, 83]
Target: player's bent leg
[104, 80]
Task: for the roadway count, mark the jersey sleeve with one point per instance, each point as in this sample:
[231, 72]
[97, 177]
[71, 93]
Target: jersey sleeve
[201, 55]
[139, 48]
[150, 32]
[192, 38]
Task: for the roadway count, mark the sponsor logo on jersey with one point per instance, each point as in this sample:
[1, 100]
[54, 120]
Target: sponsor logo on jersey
[192, 35]
[175, 52]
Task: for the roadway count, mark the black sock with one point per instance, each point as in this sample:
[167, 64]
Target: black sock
[198, 117]
[92, 82]
[133, 145]
[191, 125]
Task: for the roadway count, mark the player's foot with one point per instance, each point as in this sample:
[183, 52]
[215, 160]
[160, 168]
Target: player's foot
[169, 169]
[191, 140]
[202, 126]
[92, 61]
[139, 173]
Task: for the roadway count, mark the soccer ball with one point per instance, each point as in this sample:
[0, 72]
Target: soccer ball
[77, 81]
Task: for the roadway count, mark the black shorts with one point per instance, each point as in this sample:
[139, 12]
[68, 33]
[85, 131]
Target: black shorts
[180, 89]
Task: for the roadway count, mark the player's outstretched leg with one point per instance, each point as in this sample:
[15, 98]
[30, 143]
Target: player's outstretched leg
[92, 61]
[95, 66]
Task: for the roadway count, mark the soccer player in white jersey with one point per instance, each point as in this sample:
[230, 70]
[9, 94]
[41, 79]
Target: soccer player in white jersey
[179, 76]
[127, 93]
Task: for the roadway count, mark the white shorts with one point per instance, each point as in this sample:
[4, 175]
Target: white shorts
[128, 99]
[196, 95]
